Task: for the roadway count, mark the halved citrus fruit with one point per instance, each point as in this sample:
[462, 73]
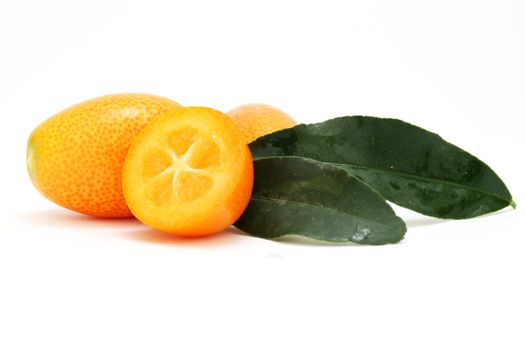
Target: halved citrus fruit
[189, 172]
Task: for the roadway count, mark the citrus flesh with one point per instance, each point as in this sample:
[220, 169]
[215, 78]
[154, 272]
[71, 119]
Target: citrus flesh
[257, 119]
[75, 158]
[189, 172]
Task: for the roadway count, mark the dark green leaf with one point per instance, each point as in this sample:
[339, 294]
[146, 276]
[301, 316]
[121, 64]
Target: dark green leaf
[304, 197]
[409, 166]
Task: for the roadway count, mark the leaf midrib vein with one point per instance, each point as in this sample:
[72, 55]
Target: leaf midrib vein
[343, 165]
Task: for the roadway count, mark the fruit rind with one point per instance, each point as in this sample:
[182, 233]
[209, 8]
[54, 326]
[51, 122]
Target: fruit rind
[258, 119]
[75, 157]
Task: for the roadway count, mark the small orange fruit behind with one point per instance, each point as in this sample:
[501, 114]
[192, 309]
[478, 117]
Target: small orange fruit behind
[256, 120]
[75, 158]
[189, 172]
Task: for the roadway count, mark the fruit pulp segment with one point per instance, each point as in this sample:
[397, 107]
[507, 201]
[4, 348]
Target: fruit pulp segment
[182, 168]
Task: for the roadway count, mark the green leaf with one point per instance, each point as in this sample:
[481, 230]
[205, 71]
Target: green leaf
[304, 197]
[407, 165]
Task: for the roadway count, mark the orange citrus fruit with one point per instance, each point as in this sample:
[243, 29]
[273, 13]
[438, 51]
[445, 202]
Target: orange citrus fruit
[189, 172]
[75, 158]
[256, 120]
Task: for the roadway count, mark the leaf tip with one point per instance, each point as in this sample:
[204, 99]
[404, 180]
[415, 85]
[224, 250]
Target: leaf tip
[513, 204]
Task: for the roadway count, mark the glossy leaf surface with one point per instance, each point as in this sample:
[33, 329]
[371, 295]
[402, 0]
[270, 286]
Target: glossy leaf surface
[299, 196]
[407, 165]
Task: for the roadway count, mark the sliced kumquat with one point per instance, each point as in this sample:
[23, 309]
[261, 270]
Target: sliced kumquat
[189, 172]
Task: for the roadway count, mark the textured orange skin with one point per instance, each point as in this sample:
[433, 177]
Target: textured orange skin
[256, 120]
[205, 217]
[75, 158]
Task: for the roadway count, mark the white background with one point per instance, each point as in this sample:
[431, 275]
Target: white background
[74, 282]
